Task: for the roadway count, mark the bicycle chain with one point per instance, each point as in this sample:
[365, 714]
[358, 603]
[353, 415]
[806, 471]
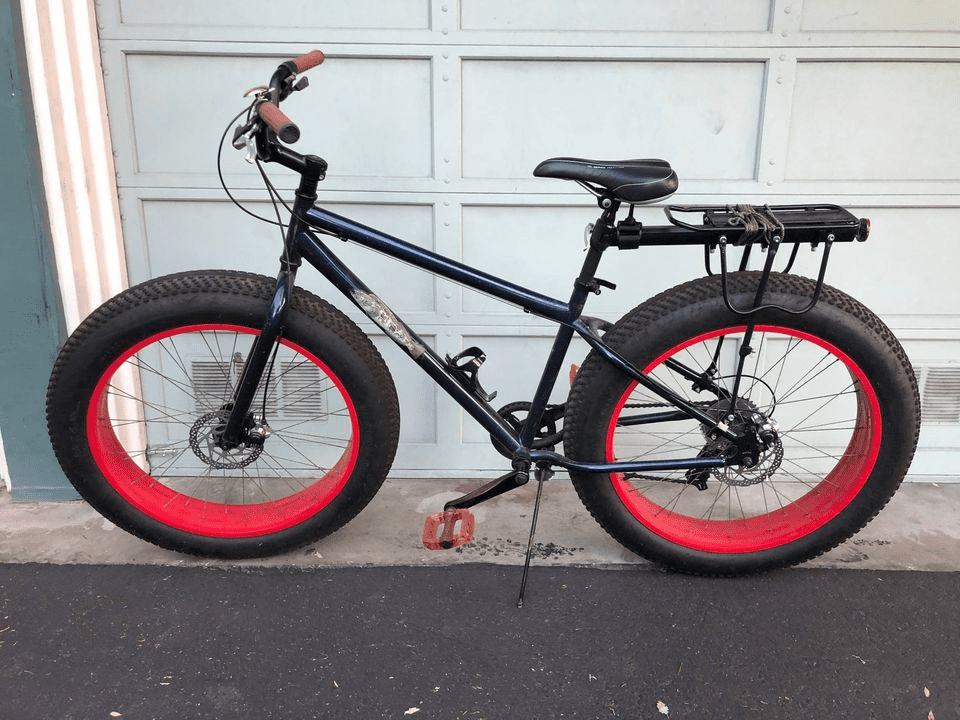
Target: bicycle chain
[759, 473]
[660, 478]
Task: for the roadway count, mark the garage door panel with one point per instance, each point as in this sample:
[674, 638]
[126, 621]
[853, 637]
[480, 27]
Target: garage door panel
[886, 121]
[899, 238]
[179, 238]
[184, 235]
[542, 248]
[880, 16]
[616, 15]
[320, 14]
[417, 393]
[345, 116]
[703, 117]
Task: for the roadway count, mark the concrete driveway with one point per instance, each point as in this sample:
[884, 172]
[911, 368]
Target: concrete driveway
[918, 530]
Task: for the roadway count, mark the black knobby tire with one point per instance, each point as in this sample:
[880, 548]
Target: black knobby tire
[140, 387]
[834, 384]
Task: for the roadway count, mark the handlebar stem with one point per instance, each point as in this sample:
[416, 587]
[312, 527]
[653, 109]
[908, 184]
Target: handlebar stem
[269, 149]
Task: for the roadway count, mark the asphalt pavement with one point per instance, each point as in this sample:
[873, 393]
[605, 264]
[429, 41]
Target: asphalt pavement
[124, 641]
[95, 624]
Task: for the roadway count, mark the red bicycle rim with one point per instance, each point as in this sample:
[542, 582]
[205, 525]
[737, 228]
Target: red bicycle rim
[195, 515]
[799, 518]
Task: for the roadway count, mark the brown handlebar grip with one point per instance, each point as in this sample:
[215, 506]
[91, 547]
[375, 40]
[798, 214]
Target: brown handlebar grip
[310, 60]
[283, 126]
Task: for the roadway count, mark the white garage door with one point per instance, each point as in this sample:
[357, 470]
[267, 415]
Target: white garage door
[433, 114]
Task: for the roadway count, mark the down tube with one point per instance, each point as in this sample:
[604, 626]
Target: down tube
[330, 266]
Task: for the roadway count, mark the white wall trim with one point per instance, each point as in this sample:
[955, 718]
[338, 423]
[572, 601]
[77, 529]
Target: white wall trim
[4, 469]
[63, 56]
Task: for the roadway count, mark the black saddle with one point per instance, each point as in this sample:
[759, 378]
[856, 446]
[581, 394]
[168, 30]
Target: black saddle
[630, 181]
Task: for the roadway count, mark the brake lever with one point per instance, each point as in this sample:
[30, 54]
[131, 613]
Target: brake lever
[243, 134]
[251, 155]
[243, 140]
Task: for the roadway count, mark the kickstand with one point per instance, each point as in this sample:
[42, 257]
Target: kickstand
[542, 474]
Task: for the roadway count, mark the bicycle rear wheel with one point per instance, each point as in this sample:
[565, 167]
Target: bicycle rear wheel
[139, 392]
[833, 384]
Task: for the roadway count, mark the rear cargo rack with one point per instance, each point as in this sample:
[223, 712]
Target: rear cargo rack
[804, 224]
[744, 226]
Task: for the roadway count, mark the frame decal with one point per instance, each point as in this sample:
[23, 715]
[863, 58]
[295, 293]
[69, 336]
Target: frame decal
[383, 316]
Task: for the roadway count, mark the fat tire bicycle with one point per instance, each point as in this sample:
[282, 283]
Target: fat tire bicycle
[742, 421]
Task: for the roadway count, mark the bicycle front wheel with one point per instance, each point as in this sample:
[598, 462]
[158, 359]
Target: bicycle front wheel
[833, 385]
[141, 389]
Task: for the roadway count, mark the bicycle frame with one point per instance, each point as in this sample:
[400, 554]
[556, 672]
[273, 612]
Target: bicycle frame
[302, 243]
[152, 427]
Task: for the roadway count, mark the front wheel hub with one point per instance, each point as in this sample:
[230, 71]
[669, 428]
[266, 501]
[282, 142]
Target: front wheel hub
[205, 441]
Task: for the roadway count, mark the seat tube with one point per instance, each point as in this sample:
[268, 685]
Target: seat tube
[548, 381]
[582, 287]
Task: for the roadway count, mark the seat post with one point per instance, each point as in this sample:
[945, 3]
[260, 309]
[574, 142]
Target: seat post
[600, 239]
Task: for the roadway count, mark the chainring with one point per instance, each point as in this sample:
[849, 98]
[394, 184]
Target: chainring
[547, 436]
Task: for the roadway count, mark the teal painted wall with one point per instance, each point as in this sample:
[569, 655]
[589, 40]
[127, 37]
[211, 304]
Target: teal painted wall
[31, 318]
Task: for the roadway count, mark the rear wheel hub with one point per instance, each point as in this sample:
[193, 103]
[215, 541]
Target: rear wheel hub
[755, 455]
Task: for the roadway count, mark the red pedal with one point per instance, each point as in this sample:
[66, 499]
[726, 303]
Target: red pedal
[438, 530]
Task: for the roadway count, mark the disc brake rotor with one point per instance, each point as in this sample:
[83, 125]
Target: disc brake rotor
[745, 418]
[203, 436]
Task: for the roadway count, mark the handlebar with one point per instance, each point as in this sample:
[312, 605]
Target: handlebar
[308, 61]
[281, 85]
[275, 119]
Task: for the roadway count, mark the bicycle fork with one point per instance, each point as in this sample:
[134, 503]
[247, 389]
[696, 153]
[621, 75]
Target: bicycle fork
[236, 429]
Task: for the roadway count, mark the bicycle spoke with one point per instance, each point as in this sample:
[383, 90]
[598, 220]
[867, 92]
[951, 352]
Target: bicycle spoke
[815, 409]
[306, 440]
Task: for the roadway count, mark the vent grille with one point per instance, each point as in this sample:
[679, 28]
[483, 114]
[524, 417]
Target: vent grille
[297, 393]
[940, 393]
[211, 384]
[303, 391]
